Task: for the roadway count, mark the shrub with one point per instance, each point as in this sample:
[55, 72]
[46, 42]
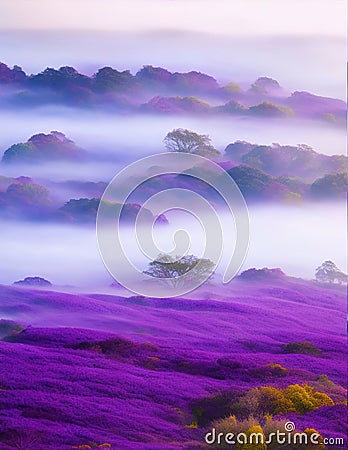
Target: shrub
[271, 425]
[258, 432]
[151, 363]
[261, 403]
[230, 424]
[336, 392]
[304, 348]
[324, 380]
[117, 348]
[268, 400]
[9, 328]
[311, 446]
[212, 408]
[255, 439]
[277, 369]
[305, 399]
[268, 371]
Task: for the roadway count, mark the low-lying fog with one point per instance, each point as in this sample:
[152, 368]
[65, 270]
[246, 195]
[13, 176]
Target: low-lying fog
[292, 49]
[296, 239]
[117, 140]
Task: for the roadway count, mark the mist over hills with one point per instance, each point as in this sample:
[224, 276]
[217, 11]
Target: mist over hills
[44, 147]
[157, 90]
[257, 89]
[300, 161]
[263, 174]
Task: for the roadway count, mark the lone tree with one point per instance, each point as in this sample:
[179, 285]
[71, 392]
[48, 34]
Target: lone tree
[328, 272]
[176, 270]
[186, 141]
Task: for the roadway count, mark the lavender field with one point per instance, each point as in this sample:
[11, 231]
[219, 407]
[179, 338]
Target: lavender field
[156, 373]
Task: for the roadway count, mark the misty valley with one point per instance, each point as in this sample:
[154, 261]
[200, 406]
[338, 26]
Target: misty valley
[51, 183]
[89, 363]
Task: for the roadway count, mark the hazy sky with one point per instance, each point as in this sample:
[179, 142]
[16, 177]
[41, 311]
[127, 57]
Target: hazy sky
[301, 43]
[239, 17]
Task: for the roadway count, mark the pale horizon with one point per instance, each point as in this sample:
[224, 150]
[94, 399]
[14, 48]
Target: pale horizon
[300, 44]
[309, 17]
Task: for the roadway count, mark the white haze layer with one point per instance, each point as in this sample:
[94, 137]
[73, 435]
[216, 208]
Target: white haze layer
[114, 141]
[295, 238]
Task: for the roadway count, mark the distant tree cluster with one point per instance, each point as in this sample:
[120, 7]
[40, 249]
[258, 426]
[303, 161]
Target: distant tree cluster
[328, 272]
[168, 93]
[304, 348]
[44, 147]
[292, 161]
[330, 185]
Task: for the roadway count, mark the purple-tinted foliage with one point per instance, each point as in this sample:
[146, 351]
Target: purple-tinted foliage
[175, 105]
[285, 160]
[330, 420]
[310, 104]
[134, 372]
[264, 274]
[33, 281]
[15, 75]
[123, 92]
[44, 147]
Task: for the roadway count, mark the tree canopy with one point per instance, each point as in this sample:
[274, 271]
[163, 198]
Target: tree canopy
[175, 270]
[329, 185]
[328, 272]
[186, 141]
